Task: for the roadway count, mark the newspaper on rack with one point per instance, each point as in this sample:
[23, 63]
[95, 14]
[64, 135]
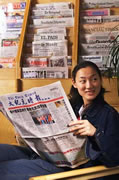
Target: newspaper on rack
[102, 62]
[96, 12]
[99, 3]
[48, 37]
[99, 19]
[99, 37]
[8, 47]
[13, 6]
[30, 61]
[53, 6]
[91, 19]
[48, 48]
[59, 22]
[41, 116]
[57, 13]
[101, 27]
[45, 72]
[53, 61]
[96, 49]
[8, 62]
[52, 30]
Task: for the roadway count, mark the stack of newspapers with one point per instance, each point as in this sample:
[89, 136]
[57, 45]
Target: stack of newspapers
[99, 28]
[12, 15]
[49, 46]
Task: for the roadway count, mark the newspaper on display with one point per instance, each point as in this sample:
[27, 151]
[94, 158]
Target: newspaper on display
[64, 22]
[55, 61]
[41, 116]
[57, 13]
[97, 48]
[103, 27]
[12, 14]
[99, 3]
[49, 48]
[99, 19]
[96, 12]
[99, 37]
[46, 72]
[102, 62]
[8, 62]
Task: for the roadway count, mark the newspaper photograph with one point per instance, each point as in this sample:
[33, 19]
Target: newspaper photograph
[41, 116]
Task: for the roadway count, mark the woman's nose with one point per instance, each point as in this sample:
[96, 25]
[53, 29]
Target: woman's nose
[88, 84]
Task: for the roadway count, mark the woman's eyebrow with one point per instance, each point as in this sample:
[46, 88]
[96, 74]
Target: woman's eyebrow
[82, 77]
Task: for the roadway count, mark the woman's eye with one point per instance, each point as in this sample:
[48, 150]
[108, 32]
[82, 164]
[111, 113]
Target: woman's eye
[94, 79]
[82, 81]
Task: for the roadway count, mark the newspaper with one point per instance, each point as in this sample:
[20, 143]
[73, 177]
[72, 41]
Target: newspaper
[48, 48]
[99, 19]
[48, 37]
[99, 37]
[59, 22]
[96, 49]
[91, 19]
[8, 51]
[53, 6]
[13, 6]
[30, 61]
[101, 27]
[8, 47]
[8, 62]
[96, 12]
[103, 62]
[57, 13]
[46, 72]
[11, 14]
[52, 30]
[99, 3]
[41, 116]
[53, 61]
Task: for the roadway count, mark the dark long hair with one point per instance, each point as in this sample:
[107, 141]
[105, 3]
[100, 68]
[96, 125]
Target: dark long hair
[74, 96]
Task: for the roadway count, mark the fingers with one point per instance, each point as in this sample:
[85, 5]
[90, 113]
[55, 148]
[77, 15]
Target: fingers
[82, 127]
[73, 123]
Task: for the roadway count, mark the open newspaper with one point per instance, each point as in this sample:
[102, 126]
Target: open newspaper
[41, 116]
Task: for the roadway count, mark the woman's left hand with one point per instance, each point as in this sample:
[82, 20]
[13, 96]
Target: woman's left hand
[82, 128]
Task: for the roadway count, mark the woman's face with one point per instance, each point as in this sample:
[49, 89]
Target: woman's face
[88, 84]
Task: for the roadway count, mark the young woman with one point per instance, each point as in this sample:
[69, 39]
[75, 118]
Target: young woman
[96, 120]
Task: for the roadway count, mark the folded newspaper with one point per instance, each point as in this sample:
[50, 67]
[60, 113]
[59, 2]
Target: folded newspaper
[41, 116]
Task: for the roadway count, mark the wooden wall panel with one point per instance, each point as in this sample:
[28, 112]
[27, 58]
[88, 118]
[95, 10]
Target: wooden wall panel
[6, 128]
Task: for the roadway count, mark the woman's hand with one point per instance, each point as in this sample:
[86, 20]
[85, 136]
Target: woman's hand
[82, 128]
